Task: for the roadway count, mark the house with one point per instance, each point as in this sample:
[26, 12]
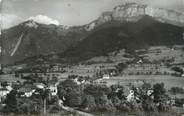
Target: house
[10, 78]
[150, 92]
[106, 76]
[56, 68]
[9, 88]
[131, 96]
[39, 85]
[99, 82]
[76, 80]
[26, 91]
[140, 61]
[52, 86]
[53, 89]
[3, 93]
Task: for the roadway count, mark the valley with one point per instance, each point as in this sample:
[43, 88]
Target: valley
[129, 59]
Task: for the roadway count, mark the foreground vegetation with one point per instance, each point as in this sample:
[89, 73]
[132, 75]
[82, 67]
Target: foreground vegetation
[96, 99]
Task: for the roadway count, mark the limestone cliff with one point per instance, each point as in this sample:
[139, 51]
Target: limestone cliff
[133, 12]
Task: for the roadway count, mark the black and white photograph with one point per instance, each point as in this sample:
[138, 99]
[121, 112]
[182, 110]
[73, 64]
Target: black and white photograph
[91, 57]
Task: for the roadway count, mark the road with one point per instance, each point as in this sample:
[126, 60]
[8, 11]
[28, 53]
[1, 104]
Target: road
[69, 109]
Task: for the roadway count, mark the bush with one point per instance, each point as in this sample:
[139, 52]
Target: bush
[89, 103]
[67, 86]
[71, 91]
[177, 69]
[104, 104]
[121, 66]
[179, 102]
[176, 90]
[159, 92]
[73, 99]
[97, 90]
[11, 102]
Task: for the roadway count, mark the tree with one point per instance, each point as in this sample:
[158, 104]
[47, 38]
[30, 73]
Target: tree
[89, 103]
[121, 66]
[159, 92]
[117, 91]
[71, 91]
[29, 106]
[68, 84]
[73, 98]
[146, 86]
[11, 102]
[175, 90]
[148, 104]
[4, 84]
[116, 101]
[97, 90]
[178, 69]
[104, 104]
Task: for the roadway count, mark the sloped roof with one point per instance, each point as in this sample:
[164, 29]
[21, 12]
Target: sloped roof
[3, 89]
[27, 88]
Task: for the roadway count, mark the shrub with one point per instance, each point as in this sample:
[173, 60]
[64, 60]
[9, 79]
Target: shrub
[176, 90]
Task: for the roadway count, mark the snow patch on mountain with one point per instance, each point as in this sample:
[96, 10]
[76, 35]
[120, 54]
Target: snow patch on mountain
[44, 20]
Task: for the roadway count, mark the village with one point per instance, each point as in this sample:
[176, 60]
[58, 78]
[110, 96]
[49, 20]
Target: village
[53, 86]
[126, 84]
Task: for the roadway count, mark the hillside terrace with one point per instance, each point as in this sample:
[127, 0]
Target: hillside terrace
[147, 69]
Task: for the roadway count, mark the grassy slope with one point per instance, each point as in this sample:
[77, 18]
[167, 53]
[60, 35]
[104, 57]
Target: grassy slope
[129, 35]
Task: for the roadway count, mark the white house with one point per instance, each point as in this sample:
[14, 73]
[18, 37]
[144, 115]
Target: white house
[131, 96]
[9, 88]
[149, 92]
[3, 93]
[106, 76]
[53, 89]
[39, 85]
[29, 93]
[26, 92]
[76, 81]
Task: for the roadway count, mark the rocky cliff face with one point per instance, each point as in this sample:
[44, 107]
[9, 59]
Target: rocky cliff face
[133, 12]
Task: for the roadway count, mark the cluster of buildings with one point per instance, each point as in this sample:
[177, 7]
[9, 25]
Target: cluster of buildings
[25, 88]
[4, 91]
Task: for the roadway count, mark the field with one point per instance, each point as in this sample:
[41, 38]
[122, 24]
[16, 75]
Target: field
[169, 81]
[164, 53]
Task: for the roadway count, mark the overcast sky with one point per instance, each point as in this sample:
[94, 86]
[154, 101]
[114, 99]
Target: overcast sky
[68, 12]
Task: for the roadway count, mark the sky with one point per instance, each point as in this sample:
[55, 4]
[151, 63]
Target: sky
[68, 12]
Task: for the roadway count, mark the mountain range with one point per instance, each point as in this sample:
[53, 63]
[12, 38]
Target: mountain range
[129, 26]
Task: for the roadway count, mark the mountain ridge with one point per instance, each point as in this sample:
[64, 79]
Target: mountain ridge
[126, 35]
[42, 39]
[134, 11]
[38, 39]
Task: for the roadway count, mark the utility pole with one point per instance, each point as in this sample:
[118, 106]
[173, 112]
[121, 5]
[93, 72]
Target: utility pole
[1, 41]
[44, 106]
[46, 94]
